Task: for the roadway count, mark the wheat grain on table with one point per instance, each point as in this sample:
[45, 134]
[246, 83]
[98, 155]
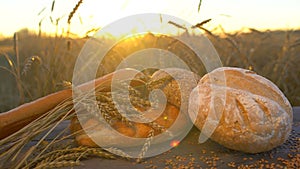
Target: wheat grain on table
[190, 154]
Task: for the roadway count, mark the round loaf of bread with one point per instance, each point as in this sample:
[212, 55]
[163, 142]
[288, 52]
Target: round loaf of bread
[248, 112]
[178, 87]
[171, 120]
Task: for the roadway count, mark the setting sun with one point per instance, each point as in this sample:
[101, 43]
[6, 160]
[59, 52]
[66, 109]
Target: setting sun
[231, 15]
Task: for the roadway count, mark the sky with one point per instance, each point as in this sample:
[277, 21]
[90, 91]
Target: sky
[232, 15]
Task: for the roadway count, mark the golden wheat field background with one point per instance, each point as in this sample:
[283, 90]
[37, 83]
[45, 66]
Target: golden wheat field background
[45, 65]
[34, 63]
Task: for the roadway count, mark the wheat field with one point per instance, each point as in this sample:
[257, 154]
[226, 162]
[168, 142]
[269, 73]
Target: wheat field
[34, 66]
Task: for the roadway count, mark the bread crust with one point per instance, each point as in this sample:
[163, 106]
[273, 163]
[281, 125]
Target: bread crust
[179, 88]
[255, 116]
[166, 119]
[102, 132]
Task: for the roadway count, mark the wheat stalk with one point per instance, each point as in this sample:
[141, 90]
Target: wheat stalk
[178, 26]
[17, 68]
[200, 26]
[52, 6]
[255, 31]
[71, 14]
[28, 64]
[146, 146]
[41, 11]
[12, 146]
[201, 23]
[118, 152]
[199, 6]
[58, 164]
[45, 123]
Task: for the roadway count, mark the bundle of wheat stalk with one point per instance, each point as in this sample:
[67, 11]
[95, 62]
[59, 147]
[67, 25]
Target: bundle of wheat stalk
[39, 145]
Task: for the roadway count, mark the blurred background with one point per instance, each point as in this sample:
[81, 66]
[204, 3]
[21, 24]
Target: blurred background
[41, 39]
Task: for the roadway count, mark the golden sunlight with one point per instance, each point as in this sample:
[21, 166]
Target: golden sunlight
[102, 84]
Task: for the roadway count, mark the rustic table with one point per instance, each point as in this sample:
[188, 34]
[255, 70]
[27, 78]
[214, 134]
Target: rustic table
[190, 154]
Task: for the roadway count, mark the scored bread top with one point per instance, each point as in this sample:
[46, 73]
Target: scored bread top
[241, 110]
[249, 81]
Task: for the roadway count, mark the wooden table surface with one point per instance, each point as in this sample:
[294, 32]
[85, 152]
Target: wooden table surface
[190, 154]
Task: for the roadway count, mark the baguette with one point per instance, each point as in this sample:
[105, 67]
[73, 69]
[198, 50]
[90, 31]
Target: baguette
[15, 119]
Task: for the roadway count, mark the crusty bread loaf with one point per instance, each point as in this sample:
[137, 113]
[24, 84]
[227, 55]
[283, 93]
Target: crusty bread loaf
[135, 130]
[166, 119]
[255, 117]
[178, 89]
